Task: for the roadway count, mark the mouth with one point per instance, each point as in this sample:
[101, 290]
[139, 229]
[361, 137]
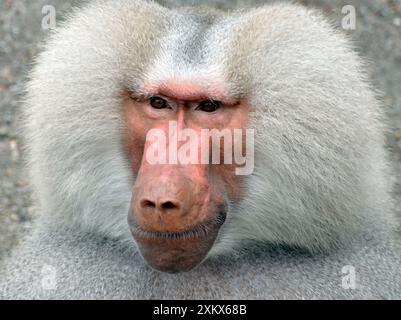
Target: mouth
[199, 231]
[179, 251]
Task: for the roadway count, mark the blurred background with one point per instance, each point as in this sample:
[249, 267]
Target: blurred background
[377, 37]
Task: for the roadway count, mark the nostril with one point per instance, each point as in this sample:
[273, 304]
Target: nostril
[169, 205]
[165, 205]
[147, 204]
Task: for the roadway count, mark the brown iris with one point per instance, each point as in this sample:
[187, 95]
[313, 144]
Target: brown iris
[158, 103]
[209, 105]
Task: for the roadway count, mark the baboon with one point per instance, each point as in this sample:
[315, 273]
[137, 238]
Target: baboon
[314, 219]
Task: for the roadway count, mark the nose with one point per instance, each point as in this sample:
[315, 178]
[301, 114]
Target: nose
[164, 195]
[170, 198]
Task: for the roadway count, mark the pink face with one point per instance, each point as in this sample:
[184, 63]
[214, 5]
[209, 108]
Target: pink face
[177, 209]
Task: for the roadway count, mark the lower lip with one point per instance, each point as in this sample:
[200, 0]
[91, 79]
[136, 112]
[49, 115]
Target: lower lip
[200, 231]
[177, 252]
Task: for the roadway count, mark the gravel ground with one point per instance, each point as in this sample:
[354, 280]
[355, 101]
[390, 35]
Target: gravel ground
[377, 37]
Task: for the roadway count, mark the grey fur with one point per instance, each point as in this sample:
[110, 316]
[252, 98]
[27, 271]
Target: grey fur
[321, 181]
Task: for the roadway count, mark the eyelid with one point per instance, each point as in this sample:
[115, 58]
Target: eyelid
[169, 104]
[217, 103]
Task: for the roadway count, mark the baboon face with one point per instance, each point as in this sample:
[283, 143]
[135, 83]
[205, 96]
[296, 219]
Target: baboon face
[179, 199]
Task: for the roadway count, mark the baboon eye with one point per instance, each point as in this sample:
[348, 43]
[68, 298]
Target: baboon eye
[209, 105]
[158, 103]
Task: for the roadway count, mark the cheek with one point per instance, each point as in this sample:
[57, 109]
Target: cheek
[133, 148]
[224, 178]
[225, 174]
[134, 134]
[153, 114]
[218, 120]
